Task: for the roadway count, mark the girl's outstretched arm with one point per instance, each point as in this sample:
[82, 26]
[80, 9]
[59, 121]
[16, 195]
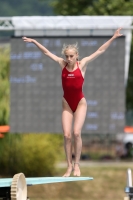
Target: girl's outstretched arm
[45, 51]
[101, 50]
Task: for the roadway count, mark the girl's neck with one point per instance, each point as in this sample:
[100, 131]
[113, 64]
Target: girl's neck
[72, 67]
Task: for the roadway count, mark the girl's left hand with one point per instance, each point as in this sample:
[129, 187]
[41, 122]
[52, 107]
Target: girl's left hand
[117, 33]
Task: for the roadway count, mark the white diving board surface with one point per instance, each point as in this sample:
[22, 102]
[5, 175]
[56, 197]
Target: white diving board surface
[6, 182]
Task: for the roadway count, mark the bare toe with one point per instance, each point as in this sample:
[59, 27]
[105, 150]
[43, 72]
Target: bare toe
[68, 172]
[76, 170]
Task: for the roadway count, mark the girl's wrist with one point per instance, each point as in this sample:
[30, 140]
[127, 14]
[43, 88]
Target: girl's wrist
[33, 41]
[114, 37]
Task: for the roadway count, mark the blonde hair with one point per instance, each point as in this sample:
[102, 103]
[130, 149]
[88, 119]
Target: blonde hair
[70, 46]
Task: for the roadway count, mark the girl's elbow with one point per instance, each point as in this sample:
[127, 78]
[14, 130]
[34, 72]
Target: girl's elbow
[101, 51]
[46, 53]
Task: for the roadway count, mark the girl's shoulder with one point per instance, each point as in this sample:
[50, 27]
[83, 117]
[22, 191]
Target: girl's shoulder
[63, 63]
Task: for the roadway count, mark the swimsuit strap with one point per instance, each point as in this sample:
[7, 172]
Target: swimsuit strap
[66, 65]
[77, 64]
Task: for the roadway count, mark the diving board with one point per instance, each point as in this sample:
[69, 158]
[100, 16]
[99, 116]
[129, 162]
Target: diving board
[16, 188]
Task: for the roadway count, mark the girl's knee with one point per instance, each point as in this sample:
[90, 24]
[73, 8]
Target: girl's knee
[67, 136]
[77, 134]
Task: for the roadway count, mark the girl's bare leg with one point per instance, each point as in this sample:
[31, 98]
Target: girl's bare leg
[67, 118]
[79, 118]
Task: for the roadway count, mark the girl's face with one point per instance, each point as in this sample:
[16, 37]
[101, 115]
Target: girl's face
[71, 56]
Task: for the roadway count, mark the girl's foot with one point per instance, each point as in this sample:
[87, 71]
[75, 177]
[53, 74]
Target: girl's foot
[68, 172]
[76, 169]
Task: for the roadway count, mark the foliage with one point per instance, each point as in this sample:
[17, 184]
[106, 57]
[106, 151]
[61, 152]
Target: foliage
[32, 154]
[68, 7]
[109, 7]
[4, 85]
[92, 7]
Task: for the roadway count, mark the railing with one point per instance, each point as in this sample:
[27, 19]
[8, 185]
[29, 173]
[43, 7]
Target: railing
[6, 23]
[129, 188]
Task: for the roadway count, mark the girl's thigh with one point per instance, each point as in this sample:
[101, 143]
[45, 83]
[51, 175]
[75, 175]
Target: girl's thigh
[80, 115]
[67, 117]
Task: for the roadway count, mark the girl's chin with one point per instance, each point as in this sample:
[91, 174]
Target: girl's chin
[70, 63]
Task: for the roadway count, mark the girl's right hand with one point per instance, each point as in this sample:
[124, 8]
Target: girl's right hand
[25, 39]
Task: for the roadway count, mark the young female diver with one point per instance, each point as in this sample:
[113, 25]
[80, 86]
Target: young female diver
[74, 106]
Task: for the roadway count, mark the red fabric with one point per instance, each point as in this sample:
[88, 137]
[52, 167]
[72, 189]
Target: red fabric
[72, 83]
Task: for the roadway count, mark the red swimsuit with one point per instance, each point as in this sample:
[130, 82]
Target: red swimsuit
[72, 83]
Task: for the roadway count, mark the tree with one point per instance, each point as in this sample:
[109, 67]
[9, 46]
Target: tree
[93, 7]
[109, 7]
[69, 7]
